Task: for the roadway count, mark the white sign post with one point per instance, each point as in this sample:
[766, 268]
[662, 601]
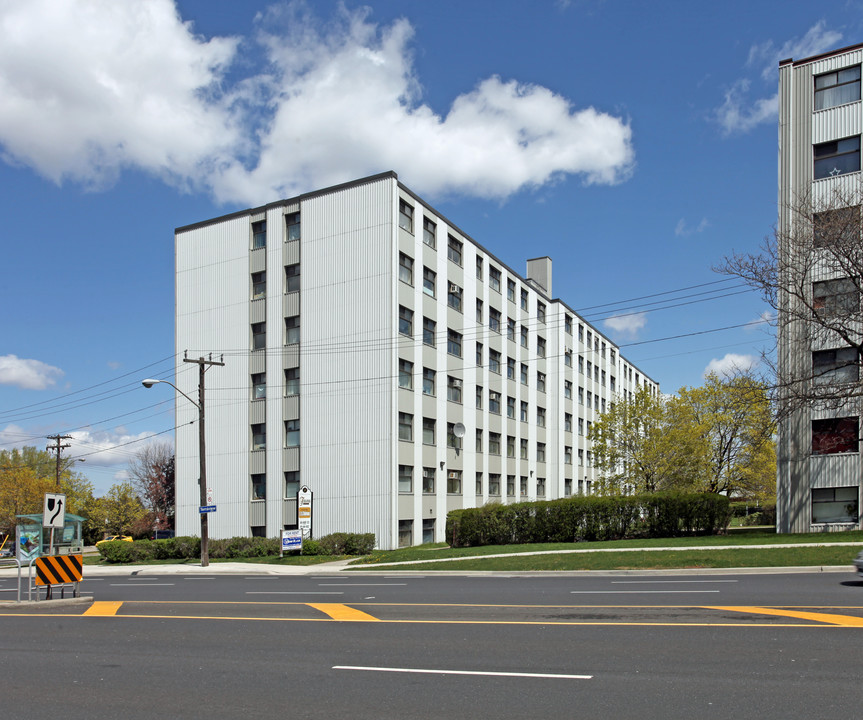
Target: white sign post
[54, 514]
[304, 511]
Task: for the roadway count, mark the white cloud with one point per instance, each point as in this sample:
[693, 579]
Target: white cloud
[683, 229]
[626, 325]
[109, 447]
[731, 364]
[27, 374]
[739, 113]
[90, 87]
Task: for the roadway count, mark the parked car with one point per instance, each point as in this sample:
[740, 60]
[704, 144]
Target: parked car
[111, 538]
[858, 563]
[162, 535]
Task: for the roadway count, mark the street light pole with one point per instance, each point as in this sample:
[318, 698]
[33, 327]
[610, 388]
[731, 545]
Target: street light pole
[202, 448]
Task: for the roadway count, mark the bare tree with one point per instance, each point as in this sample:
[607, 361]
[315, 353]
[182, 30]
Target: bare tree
[810, 273]
[152, 476]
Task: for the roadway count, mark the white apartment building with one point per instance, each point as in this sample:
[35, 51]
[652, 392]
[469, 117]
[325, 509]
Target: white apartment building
[362, 332]
[820, 126]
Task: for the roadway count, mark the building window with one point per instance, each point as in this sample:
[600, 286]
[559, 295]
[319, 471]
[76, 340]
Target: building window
[259, 234]
[835, 298]
[453, 389]
[612, 383]
[524, 304]
[494, 484]
[540, 416]
[581, 333]
[581, 427]
[510, 368]
[522, 486]
[524, 336]
[837, 88]
[510, 290]
[494, 320]
[835, 435]
[494, 278]
[540, 452]
[540, 487]
[540, 382]
[453, 250]
[453, 482]
[259, 285]
[540, 346]
[567, 487]
[259, 336]
[428, 530]
[259, 486]
[406, 533]
[292, 278]
[292, 433]
[479, 354]
[478, 311]
[429, 331]
[567, 324]
[510, 446]
[510, 485]
[429, 280]
[510, 407]
[540, 311]
[479, 483]
[428, 431]
[523, 413]
[479, 391]
[523, 374]
[259, 436]
[429, 233]
[580, 365]
[292, 483]
[453, 297]
[581, 458]
[292, 223]
[836, 228]
[589, 400]
[837, 157]
[567, 358]
[406, 321]
[453, 343]
[479, 269]
[406, 374]
[567, 422]
[292, 381]
[406, 427]
[451, 440]
[428, 381]
[478, 445]
[259, 386]
[406, 479]
[567, 389]
[589, 458]
[406, 269]
[839, 366]
[428, 480]
[494, 402]
[494, 361]
[406, 216]
[523, 448]
[510, 329]
[567, 455]
[292, 330]
[835, 505]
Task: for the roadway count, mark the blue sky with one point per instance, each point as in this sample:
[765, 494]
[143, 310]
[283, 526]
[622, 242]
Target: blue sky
[634, 143]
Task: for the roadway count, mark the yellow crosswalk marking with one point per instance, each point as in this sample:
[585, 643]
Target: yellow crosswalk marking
[103, 607]
[337, 611]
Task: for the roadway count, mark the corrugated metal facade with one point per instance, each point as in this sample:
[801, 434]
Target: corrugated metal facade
[801, 127]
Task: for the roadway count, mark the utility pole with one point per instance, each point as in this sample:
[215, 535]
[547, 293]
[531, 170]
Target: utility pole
[203, 364]
[58, 448]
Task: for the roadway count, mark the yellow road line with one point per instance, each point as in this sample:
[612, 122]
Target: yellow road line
[337, 611]
[103, 607]
[843, 620]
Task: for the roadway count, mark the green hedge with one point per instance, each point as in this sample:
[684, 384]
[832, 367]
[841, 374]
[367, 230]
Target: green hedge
[186, 548]
[583, 518]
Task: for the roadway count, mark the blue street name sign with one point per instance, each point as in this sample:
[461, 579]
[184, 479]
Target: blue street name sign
[207, 508]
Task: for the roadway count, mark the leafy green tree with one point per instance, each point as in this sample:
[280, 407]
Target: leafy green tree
[122, 508]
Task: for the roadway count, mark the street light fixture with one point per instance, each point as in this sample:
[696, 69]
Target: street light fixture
[202, 451]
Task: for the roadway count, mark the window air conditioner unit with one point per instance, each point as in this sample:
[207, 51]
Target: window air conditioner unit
[567, 350]
[453, 476]
[456, 382]
[454, 288]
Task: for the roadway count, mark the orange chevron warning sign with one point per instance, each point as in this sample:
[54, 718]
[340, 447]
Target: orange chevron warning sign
[58, 569]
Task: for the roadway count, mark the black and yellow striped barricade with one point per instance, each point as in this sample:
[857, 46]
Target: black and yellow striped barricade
[59, 570]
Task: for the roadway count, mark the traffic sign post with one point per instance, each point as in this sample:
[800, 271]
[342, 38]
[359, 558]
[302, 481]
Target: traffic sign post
[54, 514]
[207, 509]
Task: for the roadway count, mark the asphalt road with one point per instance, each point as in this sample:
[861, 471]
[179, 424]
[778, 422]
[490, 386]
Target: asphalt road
[396, 646]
